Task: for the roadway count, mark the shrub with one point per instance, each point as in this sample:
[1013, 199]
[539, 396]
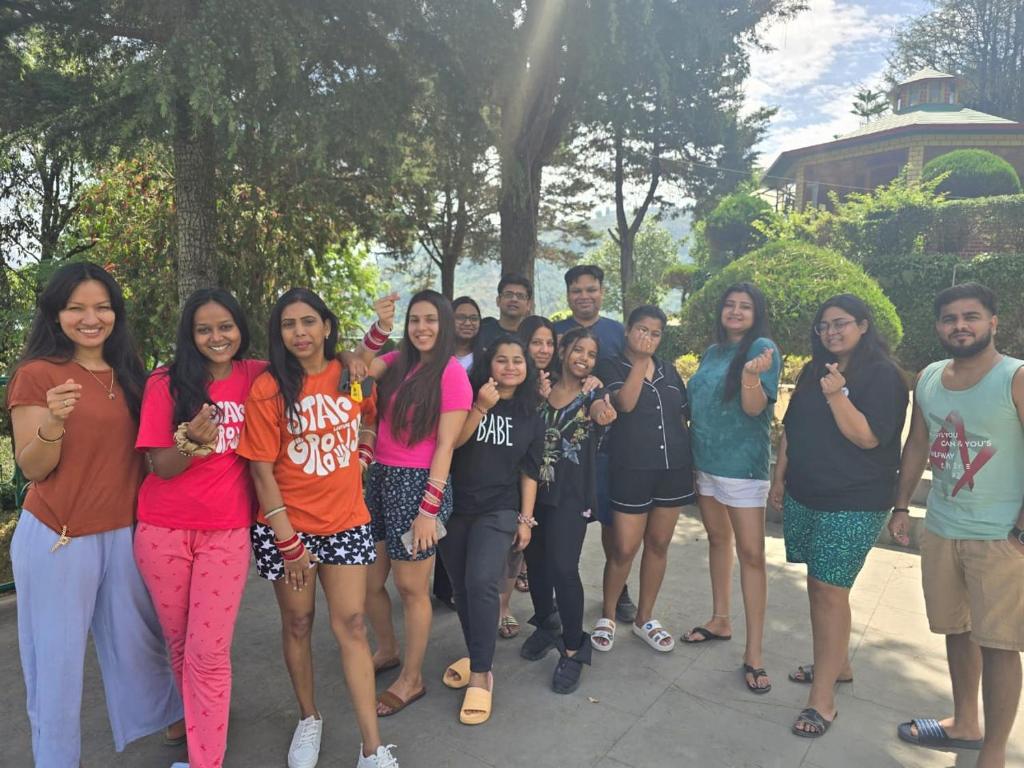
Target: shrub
[730, 229]
[796, 278]
[687, 365]
[1003, 273]
[972, 173]
[791, 367]
[673, 342]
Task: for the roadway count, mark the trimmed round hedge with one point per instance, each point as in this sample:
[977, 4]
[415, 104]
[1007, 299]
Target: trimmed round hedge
[972, 173]
[796, 279]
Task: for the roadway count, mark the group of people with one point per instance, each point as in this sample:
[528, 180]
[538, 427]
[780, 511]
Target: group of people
[495, 442]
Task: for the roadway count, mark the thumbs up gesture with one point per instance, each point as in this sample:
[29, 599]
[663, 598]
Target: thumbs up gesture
[603, 412]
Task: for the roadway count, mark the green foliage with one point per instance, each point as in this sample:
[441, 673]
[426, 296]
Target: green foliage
[966, 173]
[673, 342]
[687, 365]
[655, 253]
[791, 367]
[911, 280]
[731, 229]
[1003, 273]
[796, 279]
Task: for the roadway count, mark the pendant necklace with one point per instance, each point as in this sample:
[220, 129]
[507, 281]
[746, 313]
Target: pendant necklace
[113, 379]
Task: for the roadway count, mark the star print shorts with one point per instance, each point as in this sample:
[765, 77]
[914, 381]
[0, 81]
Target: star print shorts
[350, 547]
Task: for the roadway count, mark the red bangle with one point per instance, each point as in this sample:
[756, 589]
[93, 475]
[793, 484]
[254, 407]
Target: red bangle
[294, 554]
[433, 496]
[375, 337]
[365, 455]
[287, 543]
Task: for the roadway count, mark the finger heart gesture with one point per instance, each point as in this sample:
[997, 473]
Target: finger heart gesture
[761, 363]
[833, 382]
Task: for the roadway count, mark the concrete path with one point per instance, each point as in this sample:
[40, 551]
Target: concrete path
[635, 707]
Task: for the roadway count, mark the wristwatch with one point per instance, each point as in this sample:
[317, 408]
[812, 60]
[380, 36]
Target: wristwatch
[1018, 534]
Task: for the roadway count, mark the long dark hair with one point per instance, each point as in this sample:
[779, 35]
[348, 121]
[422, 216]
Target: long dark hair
[188, 374]
[47, 341]
[872, 346]
[758, 330]
[284, 366]
[410, 396]
[570, 338]
[530, 326]
[526, 398]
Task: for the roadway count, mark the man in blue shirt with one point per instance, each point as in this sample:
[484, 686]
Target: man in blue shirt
[584, 289]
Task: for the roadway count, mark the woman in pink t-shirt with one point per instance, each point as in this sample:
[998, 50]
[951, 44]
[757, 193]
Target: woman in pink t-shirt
[423, 401]
[196, 506]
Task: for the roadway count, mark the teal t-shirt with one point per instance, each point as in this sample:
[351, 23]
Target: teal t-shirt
[726, 441]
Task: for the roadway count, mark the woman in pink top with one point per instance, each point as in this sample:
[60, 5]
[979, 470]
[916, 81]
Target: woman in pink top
[195, 508]
[423, 401]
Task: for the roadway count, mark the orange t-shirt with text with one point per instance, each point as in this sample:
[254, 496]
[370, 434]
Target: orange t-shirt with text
[314, 452]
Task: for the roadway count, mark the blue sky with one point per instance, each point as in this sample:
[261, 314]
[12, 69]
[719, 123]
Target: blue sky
[819, 60]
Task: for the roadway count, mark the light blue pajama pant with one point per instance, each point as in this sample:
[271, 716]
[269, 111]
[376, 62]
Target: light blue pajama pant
[90, 584]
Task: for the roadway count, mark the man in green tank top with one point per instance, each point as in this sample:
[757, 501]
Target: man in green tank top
[968, 427]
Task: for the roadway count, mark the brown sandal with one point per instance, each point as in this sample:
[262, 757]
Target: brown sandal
[395, 704]
[508, 627]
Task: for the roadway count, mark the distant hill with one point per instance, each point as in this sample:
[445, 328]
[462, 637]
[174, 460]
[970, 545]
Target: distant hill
[480, 280]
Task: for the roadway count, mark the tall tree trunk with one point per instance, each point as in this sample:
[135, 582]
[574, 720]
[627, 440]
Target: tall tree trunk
[194, 201]
[519, 207]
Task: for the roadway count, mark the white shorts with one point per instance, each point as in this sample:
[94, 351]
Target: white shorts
[733, 492]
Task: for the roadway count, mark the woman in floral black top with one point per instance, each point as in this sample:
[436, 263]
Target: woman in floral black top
[564, 502]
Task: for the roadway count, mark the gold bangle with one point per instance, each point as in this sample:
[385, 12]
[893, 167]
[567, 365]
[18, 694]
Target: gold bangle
[275, 511]
[751, 386]
[39, 434]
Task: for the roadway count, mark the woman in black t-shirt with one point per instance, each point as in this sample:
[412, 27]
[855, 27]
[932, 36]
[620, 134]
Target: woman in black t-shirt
[834, 480]
[494, 480]
[565, 499]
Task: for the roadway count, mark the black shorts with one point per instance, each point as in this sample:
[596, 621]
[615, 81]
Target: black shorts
[353, 546]
[638, 491]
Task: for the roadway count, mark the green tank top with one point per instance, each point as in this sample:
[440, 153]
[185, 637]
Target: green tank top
[976, 453]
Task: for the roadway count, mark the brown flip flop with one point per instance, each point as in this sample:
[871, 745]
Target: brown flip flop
[395, 704]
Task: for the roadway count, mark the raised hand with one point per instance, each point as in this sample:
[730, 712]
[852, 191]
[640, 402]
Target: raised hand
[832, 383]
[487, 397]
[761, 363]
[203, 427]
[603, 412]
[544, 384]
[385, 309]
[61, 400]
[591, 383]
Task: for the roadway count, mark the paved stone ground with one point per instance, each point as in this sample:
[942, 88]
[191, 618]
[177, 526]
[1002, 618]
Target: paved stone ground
[634, 708]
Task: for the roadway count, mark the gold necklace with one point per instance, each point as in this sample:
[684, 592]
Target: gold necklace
[113, 379]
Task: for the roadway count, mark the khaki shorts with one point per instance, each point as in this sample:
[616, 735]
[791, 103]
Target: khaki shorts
[974, 586]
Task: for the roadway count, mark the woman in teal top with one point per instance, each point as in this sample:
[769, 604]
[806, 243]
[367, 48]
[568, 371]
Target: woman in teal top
[731, 396]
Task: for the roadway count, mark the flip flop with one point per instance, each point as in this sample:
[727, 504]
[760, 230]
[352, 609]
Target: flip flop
[175, 741]
[931, 734]
[705, 635]
[389, 664]
[461, 669]
[476, 706]
[806, 672]
[508, 627]
[395, 704]
[755, 672]
[813, 717]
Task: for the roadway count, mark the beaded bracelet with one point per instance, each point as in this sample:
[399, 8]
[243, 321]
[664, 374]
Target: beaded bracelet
[529, 521]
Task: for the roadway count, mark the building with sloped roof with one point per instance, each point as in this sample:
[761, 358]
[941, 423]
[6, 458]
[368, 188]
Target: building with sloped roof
[928, 120]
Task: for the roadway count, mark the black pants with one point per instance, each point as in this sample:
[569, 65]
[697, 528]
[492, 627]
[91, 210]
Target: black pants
[475, 552]
[442, 584]
[553, 561]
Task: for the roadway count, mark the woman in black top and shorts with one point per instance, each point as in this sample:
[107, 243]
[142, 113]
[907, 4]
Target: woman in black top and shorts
[651, 472]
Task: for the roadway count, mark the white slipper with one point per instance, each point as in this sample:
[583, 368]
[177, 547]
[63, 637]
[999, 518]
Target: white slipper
[655, 641]
[604, 630]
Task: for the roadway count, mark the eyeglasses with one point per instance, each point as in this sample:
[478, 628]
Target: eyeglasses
[518, 295]
[467, 319]
[837, 326]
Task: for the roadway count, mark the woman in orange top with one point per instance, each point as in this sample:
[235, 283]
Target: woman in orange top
[306, 438]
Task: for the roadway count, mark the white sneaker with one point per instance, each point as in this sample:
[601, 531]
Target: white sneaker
[382, 758]
[180, 765]
[305, 749]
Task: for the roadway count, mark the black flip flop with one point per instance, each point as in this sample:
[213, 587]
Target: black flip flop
[807, 675]
[705, 635]
[755, 672]
[931, 734]
[813, 717]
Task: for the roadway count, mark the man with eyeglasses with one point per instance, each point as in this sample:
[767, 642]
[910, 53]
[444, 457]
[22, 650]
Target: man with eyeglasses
[968, 426]
[515, 301]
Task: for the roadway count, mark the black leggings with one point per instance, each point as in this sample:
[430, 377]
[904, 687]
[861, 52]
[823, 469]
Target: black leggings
[475, 552]
[553, 561]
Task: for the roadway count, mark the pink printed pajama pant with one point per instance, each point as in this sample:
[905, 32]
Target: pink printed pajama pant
[196, 579]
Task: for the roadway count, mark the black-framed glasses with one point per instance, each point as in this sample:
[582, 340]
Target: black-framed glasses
[836, 326]
[518, 295]
[467, 319]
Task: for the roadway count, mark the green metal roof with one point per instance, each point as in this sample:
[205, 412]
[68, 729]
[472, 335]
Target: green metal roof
[928, 115]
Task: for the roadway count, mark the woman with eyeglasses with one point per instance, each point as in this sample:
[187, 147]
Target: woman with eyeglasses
[467, 330]
[835, 479]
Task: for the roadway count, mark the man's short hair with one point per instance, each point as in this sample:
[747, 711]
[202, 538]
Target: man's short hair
[512, 278]
[575, 273]
[982, 293]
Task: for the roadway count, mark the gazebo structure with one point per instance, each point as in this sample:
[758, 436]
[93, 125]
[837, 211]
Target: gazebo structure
[928, 120]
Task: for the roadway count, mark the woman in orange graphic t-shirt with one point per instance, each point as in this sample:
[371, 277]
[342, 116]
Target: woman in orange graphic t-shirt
[306, 439]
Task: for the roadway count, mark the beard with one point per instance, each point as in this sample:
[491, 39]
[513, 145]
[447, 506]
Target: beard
[967, 350]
